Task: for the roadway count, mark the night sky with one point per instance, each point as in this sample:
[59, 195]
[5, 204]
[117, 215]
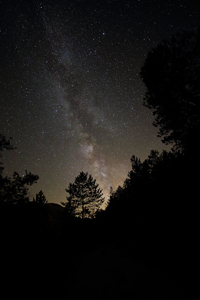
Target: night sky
[70, 91]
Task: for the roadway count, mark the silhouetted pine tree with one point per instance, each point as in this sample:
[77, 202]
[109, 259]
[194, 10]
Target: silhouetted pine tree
[85, 196]
[40, 198]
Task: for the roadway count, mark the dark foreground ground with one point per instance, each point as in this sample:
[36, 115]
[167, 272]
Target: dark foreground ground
[45, 255]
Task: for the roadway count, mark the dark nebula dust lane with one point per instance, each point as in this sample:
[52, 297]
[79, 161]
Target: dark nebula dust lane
[71, 95]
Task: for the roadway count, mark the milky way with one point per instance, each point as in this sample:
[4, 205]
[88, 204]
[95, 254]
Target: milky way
[71, 94]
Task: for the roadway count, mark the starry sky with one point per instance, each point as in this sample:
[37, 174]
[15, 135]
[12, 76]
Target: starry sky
[70, 91]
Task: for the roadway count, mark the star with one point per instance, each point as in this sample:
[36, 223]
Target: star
[71, 94]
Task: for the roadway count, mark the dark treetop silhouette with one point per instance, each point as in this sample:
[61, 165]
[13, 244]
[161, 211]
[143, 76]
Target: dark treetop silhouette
[14, 190]
[40, 198]
[85, 196]
[171, 74]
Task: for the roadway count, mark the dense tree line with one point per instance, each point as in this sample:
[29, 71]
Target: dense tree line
[155, 211]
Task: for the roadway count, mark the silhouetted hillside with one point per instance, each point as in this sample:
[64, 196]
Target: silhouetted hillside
[56, 219]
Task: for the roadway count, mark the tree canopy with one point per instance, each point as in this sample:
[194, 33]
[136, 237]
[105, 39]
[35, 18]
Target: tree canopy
[40, 198]
[171, 73]
[85, 196]
[14, 190]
